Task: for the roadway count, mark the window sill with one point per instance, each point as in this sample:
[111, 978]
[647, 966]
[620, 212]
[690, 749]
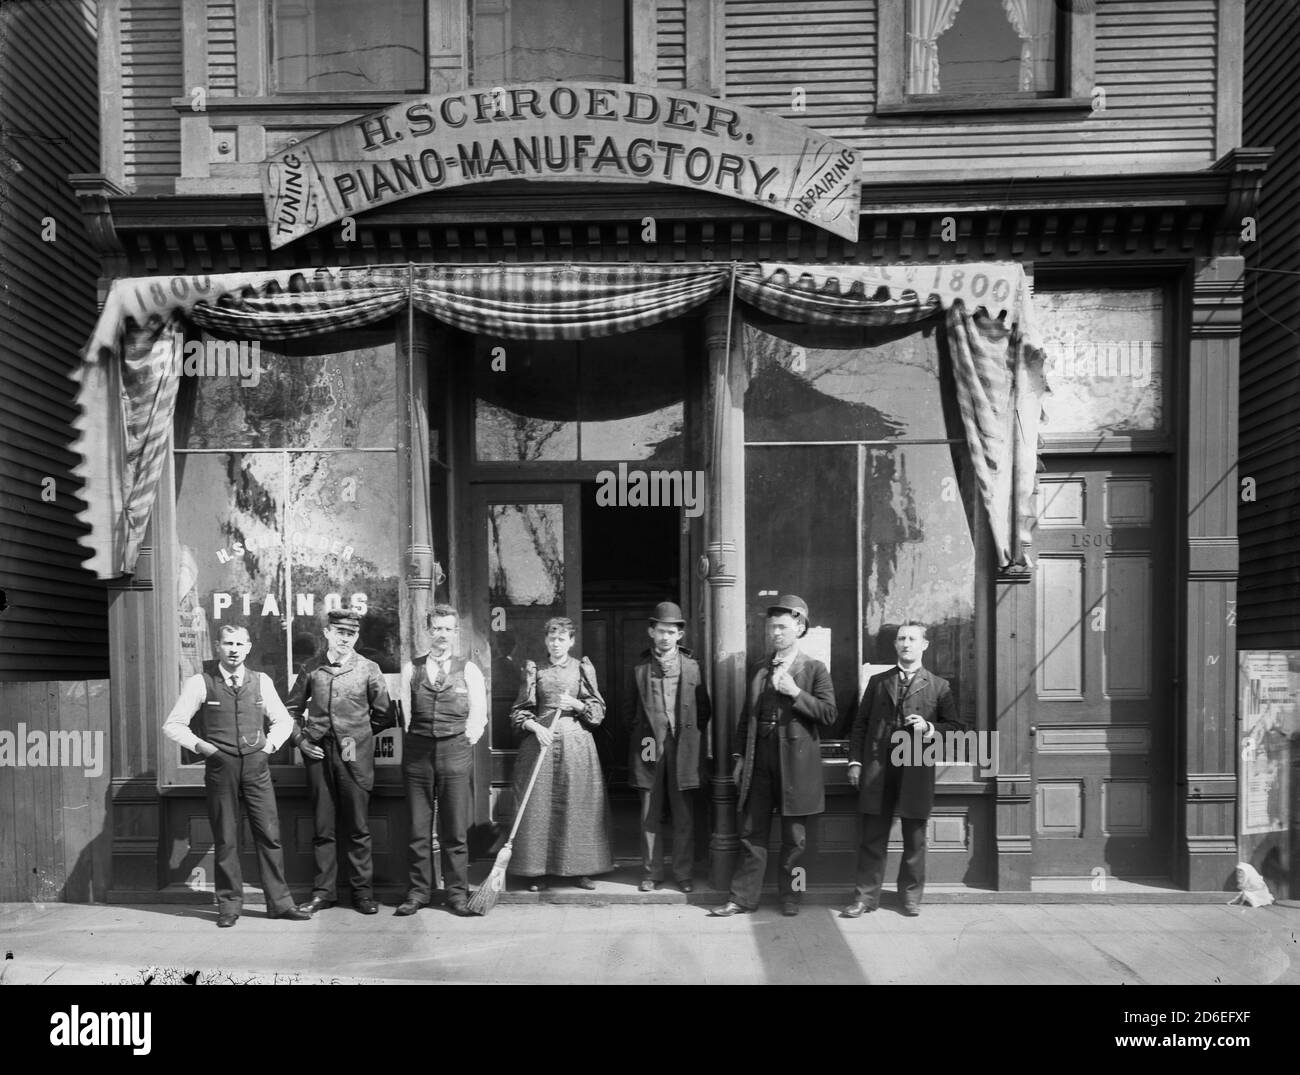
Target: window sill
[295, 102]
[955, 106]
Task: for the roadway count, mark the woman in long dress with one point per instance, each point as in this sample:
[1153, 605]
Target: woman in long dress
[566, 824]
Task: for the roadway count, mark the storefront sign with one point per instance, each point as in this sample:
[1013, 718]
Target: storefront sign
[571, 131]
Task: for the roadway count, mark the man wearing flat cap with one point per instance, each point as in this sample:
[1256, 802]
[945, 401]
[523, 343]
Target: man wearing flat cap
[341, 701]
[666, 709]
[778, 762]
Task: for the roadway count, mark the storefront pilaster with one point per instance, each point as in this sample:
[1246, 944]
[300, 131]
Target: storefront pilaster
[1208, 781]
[1014, 808]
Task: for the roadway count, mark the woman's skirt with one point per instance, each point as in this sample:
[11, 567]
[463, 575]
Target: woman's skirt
[566, 825]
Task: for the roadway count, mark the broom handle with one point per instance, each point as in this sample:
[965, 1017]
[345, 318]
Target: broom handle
[537, 768]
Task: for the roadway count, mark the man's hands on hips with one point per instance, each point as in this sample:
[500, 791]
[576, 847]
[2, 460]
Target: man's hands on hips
[205, 748]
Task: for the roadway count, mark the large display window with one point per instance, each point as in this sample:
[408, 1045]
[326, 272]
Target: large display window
[286, 490]
[857, 499]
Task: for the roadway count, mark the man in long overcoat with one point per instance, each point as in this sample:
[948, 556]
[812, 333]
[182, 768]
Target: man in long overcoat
[778, 762]
[666, 710]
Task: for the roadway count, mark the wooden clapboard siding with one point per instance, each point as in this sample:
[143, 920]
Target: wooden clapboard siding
[1155, 60]
[54, 843]
[56, 625]
[826, 48]
[671, 21]
[152, 44]
[1268, 592]
[221, 48]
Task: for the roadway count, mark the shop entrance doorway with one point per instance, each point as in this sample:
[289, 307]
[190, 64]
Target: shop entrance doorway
[547, 549]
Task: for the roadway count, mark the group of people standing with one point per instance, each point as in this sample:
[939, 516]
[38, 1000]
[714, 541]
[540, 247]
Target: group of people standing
[340, 701]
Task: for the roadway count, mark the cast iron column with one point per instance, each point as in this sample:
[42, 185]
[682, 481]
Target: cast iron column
[726, 578]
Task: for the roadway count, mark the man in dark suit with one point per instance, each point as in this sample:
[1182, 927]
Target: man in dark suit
[342, 701]
[778, 761]
[901, 711]
[666, 709]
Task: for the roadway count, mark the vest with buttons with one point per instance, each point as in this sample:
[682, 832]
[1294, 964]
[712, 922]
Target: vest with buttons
[234, 721]
[442, 710]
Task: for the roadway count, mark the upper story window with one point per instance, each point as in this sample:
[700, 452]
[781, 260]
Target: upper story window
[972, 55]
[549, 40]
[981, 47]
[341, 46]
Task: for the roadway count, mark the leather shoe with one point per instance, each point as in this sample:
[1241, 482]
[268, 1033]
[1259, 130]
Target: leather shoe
[789, 908]
[586, 883]
[857, 909]
[460, 910]
[646, 885]
[316, 903]
[911, 910]
[728, 909]
[225, 921]
[686, 886]
[365, 906]
[407, 907]
[290, 913]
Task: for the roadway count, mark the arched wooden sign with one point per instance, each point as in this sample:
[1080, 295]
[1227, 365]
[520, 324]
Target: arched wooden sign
[566, 131]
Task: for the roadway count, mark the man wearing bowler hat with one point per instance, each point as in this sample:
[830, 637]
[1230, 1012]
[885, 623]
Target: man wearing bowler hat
[341, 700]
[778, 761]
[666, 709]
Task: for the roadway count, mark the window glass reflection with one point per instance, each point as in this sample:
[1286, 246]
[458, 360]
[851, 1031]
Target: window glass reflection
[616, 398]
[281, 398]
[526, 554]
[800, 537]
[340, 45]
[549, 40]
[821, 385]
[342, 517]
[919, 561]
[1105, 361]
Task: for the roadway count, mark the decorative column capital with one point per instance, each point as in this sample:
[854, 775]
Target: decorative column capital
[1217, 296]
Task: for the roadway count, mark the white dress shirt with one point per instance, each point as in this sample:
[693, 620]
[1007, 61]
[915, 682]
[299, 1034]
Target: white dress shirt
[195, 692]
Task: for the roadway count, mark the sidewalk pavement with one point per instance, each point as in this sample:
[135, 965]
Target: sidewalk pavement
[665, 943]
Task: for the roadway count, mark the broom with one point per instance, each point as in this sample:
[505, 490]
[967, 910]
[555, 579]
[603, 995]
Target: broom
[485, 896]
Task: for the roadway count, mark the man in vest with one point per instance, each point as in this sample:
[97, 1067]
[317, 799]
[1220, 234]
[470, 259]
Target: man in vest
[342, 701]
[236, 745]
[778, 759]
[666, 709]
[900, 710]
[445, 713]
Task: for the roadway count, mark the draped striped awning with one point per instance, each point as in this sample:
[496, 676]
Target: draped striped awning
[128, 379]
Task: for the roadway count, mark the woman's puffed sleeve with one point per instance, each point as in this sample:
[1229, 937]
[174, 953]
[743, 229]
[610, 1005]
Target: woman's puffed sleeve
[525, 707]
[589, 694]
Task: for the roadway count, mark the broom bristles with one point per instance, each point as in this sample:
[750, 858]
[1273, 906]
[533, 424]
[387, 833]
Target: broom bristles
[485, 896]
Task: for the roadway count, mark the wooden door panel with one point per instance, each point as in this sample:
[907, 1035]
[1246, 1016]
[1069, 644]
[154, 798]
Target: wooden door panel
[1102, 695]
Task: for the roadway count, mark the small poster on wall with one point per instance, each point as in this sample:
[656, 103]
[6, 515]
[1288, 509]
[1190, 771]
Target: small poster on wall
[1269, 707]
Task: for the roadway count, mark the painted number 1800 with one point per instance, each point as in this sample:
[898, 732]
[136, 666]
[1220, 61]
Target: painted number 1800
[1092, 541]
